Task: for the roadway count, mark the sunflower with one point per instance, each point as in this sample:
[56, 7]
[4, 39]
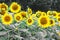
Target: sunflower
[3, 12]
[58, 19]
[7, 19]
[29, 11]
[4, 7]
[15, 7]
[33, 16]
[58, 15]
[17, 17]
[49, 13]
[43, 21]
[38, 14]
[23, 14]
[54, 13]
[52, 22]
[30, 21]
[43, 14]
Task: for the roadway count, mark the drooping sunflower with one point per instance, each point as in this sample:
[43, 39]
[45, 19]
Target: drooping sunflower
[17, 17]
[54, 13]
[30, 21]
[49, 13]
[23, 14]
[7, 19]
[29, 11]
[52, 22]
[4, 7]
[38, 14]
[43, 21]
[15, 7]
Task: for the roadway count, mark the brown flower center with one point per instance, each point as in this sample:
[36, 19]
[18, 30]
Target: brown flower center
[14, 7]
[29, 20]
[58, 19]
[23, 14]
[54, 14]
[7, 18]
[43, 21]
[51, 22]
[59, 15]
[18, 17]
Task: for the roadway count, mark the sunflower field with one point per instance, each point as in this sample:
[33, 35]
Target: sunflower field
[17, 24]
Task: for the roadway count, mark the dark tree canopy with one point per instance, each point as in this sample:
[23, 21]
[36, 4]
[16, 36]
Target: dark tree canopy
[43, 5]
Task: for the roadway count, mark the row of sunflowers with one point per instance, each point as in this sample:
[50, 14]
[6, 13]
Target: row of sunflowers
[13, 14]
[44, 19]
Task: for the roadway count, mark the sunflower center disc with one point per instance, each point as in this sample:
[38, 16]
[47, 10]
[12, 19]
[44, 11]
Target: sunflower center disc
[15, 7]
[43, 21]
[7, 18]
[29, 21]
[58, 19]
[51, 22]
[18, 18]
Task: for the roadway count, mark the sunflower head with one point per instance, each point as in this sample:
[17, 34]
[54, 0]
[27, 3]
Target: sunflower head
[58, 15]
[7, 19]
[58, 19]
[17, 17]
[43, 21]
[23, 14]
[49, 13]
[3, 12]
[29, 11]
[43, 14]
[30, 21]
[52, 22]
[54, 13]
[4, 6]
[15, 7]
[33, 16]
[38, 14]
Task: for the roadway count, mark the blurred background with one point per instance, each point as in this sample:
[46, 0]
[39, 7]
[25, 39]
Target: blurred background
[35, 5]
